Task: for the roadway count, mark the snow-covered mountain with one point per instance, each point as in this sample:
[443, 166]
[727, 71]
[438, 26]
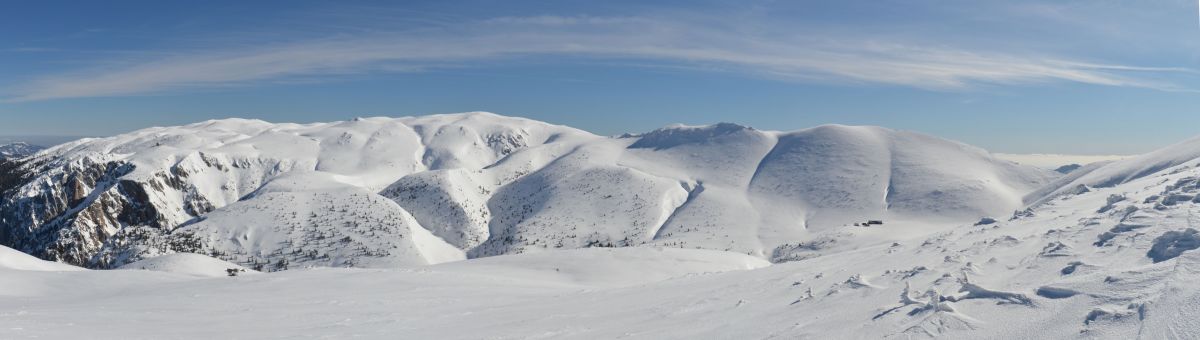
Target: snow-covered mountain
[18, 150]
[1106, 252]
[383, 192]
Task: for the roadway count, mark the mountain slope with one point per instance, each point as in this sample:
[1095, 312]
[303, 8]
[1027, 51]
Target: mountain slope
[422, 189]
[1174, 158]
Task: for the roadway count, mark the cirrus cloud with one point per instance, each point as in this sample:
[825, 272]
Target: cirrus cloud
[783, 56]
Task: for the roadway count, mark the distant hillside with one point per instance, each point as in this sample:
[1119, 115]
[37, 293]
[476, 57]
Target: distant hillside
[18, 150]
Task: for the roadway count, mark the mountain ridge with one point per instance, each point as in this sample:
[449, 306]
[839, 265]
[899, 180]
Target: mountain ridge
[488, 185]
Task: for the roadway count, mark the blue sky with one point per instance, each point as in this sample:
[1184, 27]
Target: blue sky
[1016, 76]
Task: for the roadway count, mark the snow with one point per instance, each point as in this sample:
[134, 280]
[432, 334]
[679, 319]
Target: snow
[1171, 244]
[607, 267]
[479, 184]
[11, 259]
[1132, 168]
[550, 232]
[311, 219]
[189, 264]
[463, 300]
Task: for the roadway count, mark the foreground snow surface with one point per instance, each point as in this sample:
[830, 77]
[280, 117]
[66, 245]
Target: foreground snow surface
[1014, 279]
[498, 297]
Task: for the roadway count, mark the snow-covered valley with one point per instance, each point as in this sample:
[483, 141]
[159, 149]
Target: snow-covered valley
[472, 226]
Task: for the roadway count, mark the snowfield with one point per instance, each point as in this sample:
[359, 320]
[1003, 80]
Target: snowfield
[477, 226]
[487, 298]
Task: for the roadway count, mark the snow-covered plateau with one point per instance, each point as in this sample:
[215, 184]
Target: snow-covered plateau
[480, 226]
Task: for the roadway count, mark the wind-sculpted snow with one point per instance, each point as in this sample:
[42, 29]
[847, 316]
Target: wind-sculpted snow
[483, 184]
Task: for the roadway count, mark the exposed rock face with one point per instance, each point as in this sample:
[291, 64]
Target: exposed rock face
[82, 211]
[67, 212]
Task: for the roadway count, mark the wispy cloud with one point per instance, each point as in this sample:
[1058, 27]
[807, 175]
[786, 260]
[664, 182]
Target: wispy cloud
[804, 58]
[29, 49]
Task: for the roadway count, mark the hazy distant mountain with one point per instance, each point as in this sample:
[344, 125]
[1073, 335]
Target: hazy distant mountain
[42, 140]
[18, 150]
[1066, 169]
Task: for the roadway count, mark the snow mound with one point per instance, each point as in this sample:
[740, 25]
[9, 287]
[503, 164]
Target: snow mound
[187, 263]
[16, 260]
